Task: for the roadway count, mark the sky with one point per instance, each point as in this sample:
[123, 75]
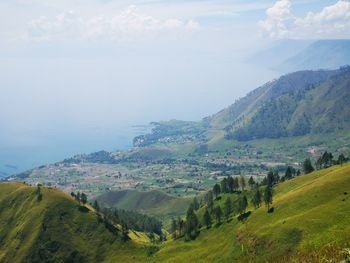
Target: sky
[75, 75]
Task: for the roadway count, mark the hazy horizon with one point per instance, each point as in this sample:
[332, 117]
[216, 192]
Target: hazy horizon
[76, 76]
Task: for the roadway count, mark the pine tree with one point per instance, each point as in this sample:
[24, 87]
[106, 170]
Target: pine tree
[207, 218]
[251, 182]
[96, 206]
[270, 179]
[230, 184]
[216, 190]
[218, 214]
[256, 200]
[276, 177]
[173, 227]
[242, 204]
[341, 159]
[209, 199]
[307, 166]
[228, 208]
[224, 187]
[242, 182]
[268, 197]
[289, 173]
[191, 223]
[235, 184]
[83, 198]
[195, 203]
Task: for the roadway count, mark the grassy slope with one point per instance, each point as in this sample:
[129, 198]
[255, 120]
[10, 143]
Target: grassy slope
[54, 229]
[309, 223]
[150, 202]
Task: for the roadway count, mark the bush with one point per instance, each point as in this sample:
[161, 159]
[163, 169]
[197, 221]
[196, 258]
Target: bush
[151, 250]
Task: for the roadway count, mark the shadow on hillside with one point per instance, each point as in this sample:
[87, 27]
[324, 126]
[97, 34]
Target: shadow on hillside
[244, 216]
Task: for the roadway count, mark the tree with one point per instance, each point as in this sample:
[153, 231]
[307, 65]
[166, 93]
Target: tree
[326, 160]
[216, 190]
[242, 182]
[77, 196]
[191, 223]
[270, 179]
[173, 227]
[125, 231]
[83, 198]
[228, 208]
[224, 187]
[207, 218]
[39, 193]
[251, 182]
[181, 226]
[195, 203]
[230, 184]
[276, 177]
[341, 159]
[235, 184]
[268, 197]
[218, 214]
[256, 200]
[209, 199]
[96, 206]
[289, 173]
[242, 204]
[307, 166]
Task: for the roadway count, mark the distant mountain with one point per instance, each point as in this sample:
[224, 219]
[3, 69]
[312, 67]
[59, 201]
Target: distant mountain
[278, 51]
[299, 103]
[322, 54]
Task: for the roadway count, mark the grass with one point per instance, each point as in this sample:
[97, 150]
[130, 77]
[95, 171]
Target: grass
[153, 203]
[54, 229]
[310, 223]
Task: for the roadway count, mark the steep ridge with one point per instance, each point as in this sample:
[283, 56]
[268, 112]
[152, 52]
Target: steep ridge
[49, 226]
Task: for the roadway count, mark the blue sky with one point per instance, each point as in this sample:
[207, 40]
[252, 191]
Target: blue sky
[73, 73]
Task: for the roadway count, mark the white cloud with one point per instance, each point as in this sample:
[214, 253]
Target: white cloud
[331, 22]
[127, 25]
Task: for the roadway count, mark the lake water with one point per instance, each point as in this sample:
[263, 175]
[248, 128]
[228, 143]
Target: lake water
[18, 157]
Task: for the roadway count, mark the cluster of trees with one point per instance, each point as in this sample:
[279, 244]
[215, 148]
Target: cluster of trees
[231, 185]
[111, 218]
[131, 220]
[237, 206]
[189, 228]
[273, 177]
[324, 161]
[80, 197]
[327, 160]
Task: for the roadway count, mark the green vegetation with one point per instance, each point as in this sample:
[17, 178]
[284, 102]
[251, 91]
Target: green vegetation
[308, 224]
[56, 228]
[319, 108]
[152, 203]
[307, 221]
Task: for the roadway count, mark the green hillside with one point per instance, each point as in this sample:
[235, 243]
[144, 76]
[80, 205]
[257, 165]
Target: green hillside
[149, 202]
[309, 224]
[317, 109]
[54, 228]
